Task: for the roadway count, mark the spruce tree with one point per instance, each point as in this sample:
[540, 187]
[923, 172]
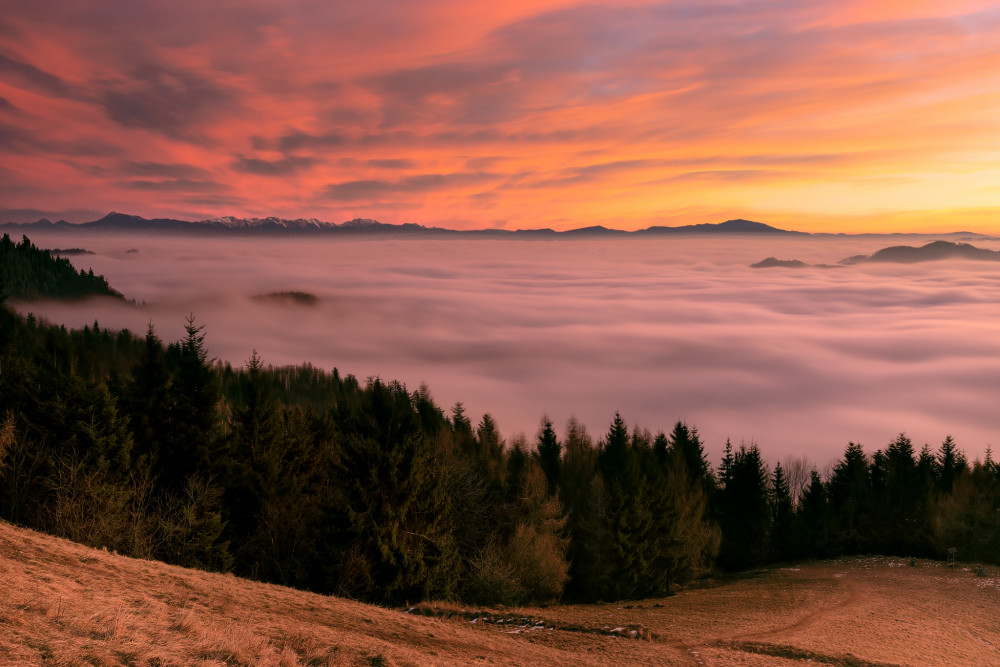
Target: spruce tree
[851, 500]
[549, 455]
[633, 540]
[950, 464]
[782, 515]
[813, 521]
[148, 402]
[583, 496]
[254, 452]
[745, 515]
[190, 442]
[685, 441]
[400, 545]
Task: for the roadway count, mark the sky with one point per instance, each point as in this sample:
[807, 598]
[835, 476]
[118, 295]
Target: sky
[799, 361]
[843, 116]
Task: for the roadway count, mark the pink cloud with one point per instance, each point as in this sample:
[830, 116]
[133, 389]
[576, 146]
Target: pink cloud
[284, 107]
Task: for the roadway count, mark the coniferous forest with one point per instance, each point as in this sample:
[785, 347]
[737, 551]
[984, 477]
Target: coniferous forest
[370, 490]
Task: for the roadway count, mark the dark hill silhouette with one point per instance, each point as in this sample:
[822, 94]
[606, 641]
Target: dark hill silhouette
[899, 254]
[595, 230]
[738, 226]
[293, 297]
[934, 251]
[772, 262]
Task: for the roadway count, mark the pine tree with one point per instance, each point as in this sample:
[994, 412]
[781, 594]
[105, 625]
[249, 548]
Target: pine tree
[850, 500]
[401, 546]
[583, 496]
[905, 503]
[488, 456]
[726, 466]
[190, 442]
[745, 515]
[254, 468]
[686, 443]
[633, 543]
[148, 402]
[951, 463]
[782, 515]
[689, 541]
[549, 455]
[813, 521]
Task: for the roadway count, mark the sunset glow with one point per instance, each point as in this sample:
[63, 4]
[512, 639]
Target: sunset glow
[817, 116]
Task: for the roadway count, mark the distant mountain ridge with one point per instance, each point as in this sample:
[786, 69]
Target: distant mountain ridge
[115, 221]
[737, 226]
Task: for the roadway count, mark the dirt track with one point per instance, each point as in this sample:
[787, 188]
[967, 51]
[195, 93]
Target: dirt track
[825, 610]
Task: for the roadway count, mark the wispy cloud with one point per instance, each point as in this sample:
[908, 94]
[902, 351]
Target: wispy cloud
[604, 110]
[283, 167]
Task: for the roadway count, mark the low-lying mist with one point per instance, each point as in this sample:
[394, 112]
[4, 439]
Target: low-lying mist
[799, 360]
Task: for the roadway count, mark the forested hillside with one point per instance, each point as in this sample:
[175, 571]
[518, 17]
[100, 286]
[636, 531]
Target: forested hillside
[28, 272]
[303, 477]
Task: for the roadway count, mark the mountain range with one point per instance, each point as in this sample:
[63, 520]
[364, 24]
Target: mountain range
[272, 225]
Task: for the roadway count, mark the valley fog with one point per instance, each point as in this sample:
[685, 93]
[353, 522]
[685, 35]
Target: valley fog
[800, 361]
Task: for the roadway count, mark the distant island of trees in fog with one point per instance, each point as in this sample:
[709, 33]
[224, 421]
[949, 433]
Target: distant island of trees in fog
[302, 477]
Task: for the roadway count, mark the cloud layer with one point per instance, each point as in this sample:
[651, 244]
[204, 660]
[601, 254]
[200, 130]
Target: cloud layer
[552, 113]
[800, 361]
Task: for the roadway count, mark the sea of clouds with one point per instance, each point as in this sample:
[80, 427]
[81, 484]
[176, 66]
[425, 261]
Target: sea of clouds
[800, 361]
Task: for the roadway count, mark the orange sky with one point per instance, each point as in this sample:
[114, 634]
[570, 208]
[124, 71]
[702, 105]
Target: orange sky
[817, 116]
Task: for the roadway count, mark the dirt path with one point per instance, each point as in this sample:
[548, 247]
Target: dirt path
[853, 599]
[764, 642]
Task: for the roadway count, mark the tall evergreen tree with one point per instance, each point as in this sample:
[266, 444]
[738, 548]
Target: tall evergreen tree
[686, 442]
[549, 455]
[488, 456]
[637, 520]
[148, 400]
[254, 453]
[689, 540]
[951, 463]
[850, 500]
[813, 521]
[745, 515]
[191, 441]
[583, 495]
[401, 546]
[906, 501]
[782, 516]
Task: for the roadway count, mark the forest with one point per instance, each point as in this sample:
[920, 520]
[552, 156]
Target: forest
[370, 490]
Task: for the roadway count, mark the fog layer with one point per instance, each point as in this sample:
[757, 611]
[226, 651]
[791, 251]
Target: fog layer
[799, 361]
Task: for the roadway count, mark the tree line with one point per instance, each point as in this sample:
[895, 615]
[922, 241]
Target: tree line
[307, 478]
[29, 272]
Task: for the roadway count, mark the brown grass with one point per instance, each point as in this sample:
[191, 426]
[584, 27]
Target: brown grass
[65, 604]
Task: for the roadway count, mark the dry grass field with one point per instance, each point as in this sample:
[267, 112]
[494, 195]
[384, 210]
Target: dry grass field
[65, 604]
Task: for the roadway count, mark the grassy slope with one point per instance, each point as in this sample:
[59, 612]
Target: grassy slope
[63, 603]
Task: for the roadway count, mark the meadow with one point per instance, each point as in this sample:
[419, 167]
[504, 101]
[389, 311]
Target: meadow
[71, 605]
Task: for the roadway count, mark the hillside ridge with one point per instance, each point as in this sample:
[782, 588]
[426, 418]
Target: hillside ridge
[65, 603]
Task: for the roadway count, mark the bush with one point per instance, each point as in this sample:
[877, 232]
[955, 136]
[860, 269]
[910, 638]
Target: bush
[492, 579]
[539, 563]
